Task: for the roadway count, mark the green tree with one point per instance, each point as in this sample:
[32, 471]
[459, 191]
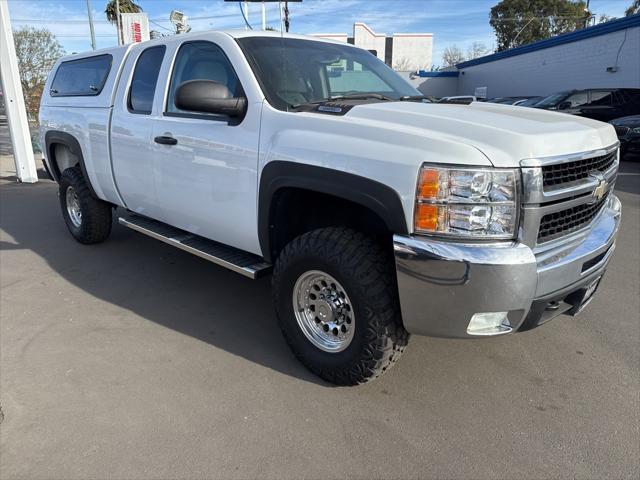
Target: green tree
[126, 6]
[633, 8]
[519, 22]
[37, 50]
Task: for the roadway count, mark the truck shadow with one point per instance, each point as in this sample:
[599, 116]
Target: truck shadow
[153, 280]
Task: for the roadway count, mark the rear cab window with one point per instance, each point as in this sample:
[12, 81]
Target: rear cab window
[145, 78]
[81, 77]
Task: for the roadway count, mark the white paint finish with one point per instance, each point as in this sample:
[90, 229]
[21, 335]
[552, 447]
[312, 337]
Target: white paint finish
[131, 147]
[505, 134]
[14, 102]
[89, 127]
[365, 142]
[580, 64]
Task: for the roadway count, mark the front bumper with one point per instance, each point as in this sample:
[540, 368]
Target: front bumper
[442, 285]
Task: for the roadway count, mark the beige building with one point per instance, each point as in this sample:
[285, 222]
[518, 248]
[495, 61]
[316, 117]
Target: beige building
[404, 52]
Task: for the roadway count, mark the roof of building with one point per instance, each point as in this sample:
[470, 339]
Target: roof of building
[589, 32]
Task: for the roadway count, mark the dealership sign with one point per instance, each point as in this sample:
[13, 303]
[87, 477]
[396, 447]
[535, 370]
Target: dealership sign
[135, 27]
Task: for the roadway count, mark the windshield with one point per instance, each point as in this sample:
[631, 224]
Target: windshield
[292, 71]
[552, 100]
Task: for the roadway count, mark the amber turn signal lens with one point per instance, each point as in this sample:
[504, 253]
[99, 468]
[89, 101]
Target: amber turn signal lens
[429, 183]
[427, 217]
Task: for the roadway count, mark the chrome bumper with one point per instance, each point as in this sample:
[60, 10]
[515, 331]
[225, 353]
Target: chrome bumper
[442, 285]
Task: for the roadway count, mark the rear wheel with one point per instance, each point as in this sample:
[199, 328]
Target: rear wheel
[88, 218]
[336, 301]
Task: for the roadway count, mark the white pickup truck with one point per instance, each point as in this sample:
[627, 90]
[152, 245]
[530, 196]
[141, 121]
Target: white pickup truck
[378, 214]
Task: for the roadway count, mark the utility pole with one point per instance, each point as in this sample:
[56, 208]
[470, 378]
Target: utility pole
[93, 33]
[14, 102]
[264, 16]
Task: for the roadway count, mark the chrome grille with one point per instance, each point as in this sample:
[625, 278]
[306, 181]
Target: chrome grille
[562, 173]
[563, 222]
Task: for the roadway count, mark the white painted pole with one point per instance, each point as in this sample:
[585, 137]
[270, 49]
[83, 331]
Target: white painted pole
[264, 16]
[93, 32]
[14, 102]
[246, 13]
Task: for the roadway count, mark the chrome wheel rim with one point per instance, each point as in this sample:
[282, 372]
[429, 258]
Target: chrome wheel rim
[323, 311]
[73, 207]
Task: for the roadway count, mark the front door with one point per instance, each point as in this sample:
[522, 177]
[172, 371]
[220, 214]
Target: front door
[206, 165]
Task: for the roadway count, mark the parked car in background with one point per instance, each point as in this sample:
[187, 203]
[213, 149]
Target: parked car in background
[628, 131]
[462, 99]
[602, 104]
[509, 100]
[529, 102]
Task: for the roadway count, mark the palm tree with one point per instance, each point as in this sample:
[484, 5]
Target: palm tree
[633, 8]
[126, 6]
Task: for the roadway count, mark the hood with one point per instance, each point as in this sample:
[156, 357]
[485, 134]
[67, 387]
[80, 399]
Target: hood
[504, 133]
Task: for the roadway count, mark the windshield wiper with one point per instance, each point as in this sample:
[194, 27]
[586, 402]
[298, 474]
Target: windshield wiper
[350, 96]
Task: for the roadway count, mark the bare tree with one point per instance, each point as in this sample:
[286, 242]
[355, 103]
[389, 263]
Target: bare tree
[633, 8]
[477, 49]
[403, 65]
[37, 50]
[452, 55]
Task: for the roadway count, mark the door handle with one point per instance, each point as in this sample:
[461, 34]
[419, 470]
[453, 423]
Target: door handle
[166, 140]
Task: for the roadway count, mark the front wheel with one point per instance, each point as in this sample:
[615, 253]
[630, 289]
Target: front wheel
[337, 305]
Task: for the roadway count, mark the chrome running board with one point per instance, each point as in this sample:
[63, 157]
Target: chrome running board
[239, 261]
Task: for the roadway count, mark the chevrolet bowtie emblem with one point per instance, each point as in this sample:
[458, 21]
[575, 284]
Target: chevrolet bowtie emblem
[601, 188]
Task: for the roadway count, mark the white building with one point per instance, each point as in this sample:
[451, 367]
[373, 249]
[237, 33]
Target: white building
[402, 51]
[603, 56]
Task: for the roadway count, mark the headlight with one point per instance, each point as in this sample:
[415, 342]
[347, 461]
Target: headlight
[467, 202]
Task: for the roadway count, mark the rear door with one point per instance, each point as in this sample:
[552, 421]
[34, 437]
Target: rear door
[206, 165]
[131, 128]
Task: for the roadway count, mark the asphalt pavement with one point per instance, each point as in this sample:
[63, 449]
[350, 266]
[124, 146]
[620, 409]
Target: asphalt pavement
[132, 359]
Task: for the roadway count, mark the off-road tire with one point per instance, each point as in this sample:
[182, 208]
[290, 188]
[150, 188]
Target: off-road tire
[367, 273]
[95, 226]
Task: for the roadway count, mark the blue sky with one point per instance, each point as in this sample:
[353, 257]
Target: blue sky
[458, 22]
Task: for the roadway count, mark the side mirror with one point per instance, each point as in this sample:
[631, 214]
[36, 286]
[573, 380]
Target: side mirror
[564, 105]
[209, 97]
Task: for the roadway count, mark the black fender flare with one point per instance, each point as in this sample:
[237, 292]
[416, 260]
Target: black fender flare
[55, 137]
[377, 197]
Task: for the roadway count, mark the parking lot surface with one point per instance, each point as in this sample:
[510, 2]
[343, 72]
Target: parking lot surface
[131, 359]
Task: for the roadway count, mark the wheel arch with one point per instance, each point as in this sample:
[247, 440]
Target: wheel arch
[55, 138]
[368, 200]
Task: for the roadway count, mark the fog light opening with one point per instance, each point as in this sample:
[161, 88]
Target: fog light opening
[489, 323]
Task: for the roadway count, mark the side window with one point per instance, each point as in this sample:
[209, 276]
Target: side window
[601, 98]
[145, 78]
[81, 77]
[578, 99]
[201, 61]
